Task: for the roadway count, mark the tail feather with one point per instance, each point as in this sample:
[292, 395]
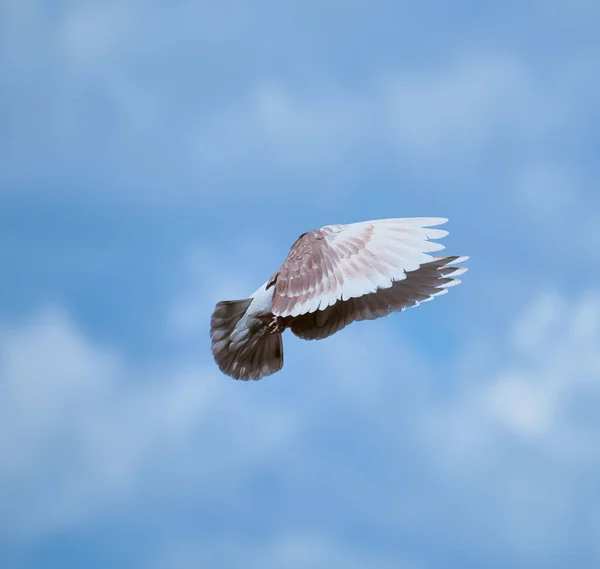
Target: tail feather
[241, 345]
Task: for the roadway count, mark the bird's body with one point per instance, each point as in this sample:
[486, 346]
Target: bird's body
[332, 277]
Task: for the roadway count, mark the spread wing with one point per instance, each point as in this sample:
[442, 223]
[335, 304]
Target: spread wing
[342, 262]
[430, 280]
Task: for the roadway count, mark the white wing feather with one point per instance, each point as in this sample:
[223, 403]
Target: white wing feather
[360, 258]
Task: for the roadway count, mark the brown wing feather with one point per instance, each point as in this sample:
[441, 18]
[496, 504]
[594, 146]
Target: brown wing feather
[300, 271]
[429, 280]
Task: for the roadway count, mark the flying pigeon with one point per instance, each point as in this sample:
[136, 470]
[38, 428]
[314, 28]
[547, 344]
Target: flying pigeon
[332, 276]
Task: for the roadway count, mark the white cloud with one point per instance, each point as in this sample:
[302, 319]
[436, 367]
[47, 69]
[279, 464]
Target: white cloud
[288, 129]
[467, 104]
[451, 111]
[80, 429]
[523, 435]
[552, 363]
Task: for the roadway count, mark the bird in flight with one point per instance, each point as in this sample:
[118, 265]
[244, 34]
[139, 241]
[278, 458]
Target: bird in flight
[331, 277]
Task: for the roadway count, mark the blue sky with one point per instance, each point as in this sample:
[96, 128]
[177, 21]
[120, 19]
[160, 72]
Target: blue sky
[158, 157]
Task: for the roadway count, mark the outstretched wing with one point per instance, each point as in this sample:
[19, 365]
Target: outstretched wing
[341, 262]
[430, 280]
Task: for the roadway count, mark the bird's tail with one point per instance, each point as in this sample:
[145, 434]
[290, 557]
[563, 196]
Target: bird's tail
[242, 345]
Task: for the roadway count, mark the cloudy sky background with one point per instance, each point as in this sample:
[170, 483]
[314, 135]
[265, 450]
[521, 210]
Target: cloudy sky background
[158, 157]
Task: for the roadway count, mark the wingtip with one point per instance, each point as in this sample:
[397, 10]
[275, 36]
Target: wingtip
[457, 260]
[457, 272]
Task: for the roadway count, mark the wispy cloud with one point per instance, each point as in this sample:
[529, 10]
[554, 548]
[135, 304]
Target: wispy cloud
[288, 551]
[81, 427]
[452, 112]
[119, 124]
[525, 435]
